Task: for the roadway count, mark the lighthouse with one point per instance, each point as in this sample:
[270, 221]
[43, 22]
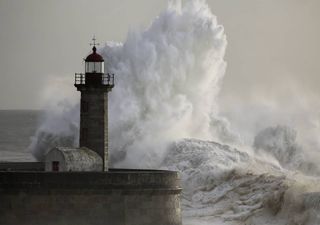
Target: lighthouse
[94, 86]
[74, 189]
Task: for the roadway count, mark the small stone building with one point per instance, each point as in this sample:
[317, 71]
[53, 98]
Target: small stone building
[73, 159]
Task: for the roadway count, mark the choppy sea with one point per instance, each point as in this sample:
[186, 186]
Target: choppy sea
[16, 130]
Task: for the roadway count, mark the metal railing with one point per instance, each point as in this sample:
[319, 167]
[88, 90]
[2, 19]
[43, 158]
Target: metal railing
[79, 78]
[106, 79]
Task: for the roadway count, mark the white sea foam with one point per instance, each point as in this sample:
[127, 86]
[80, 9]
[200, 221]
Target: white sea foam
[168, 77]
[225, 185]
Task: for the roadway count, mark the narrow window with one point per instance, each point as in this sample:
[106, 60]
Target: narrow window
[55, 166]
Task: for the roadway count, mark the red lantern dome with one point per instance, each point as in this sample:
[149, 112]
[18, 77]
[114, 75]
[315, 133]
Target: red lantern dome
[94, 56]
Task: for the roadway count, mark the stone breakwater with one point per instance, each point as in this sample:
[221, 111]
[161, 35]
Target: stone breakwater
[119, 197]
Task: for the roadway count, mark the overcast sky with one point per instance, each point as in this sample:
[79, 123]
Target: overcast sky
[273, 45]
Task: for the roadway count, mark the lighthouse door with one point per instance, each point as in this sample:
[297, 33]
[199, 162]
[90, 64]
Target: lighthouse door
[55, 166]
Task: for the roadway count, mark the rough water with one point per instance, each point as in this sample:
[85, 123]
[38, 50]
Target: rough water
[224, 185]
[163, 114]
[16, 130]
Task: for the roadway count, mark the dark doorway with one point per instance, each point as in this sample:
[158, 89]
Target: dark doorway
[55, 166]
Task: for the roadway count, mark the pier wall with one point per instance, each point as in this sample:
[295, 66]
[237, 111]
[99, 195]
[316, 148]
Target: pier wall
[118, 197]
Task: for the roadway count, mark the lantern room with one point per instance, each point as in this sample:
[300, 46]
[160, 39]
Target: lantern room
[94, 76]
[94, 62]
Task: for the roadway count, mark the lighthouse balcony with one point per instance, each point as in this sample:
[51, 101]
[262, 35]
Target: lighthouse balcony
[94, 80]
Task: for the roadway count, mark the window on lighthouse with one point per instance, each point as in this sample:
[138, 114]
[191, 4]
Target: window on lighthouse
[94, 67]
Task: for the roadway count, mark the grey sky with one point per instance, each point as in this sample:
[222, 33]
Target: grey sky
[272, 53]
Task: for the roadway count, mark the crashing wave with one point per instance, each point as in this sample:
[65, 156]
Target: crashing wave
[59, 127]
[224, 185]
[281, 143]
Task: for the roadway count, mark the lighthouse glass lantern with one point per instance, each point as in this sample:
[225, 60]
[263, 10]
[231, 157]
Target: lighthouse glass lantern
[94, 67]
[94, 63]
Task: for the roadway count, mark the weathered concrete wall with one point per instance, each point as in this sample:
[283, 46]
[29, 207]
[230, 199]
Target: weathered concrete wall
[120, 197]
[22, 166]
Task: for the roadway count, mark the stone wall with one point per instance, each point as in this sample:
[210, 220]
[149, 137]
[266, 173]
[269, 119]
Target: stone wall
[22, 166]
[94, 121]
[119, 197]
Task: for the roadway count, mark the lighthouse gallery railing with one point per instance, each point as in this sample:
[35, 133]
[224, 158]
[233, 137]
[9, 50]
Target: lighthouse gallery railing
[106, 79]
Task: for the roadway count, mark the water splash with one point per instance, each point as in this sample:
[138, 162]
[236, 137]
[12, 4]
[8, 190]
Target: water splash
[167, 80]
[59, 123]
[168, 77]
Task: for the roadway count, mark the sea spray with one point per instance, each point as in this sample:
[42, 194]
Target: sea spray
[168, 77]
[167, 80]
[281, 142]
[59, 123]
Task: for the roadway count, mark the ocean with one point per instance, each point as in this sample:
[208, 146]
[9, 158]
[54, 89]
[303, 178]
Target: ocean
[16, 130]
